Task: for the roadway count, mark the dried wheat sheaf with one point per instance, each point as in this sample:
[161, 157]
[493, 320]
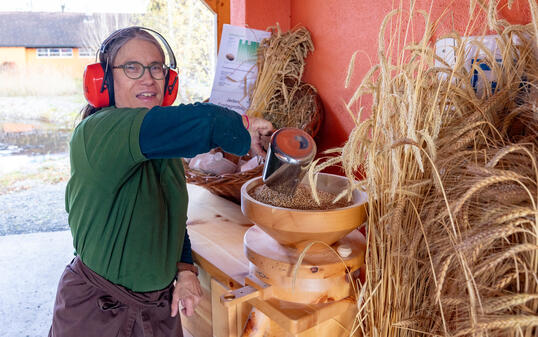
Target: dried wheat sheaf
[451, 173]
[279, 95]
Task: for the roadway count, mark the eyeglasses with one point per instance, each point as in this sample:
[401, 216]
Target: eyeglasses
[134, 70]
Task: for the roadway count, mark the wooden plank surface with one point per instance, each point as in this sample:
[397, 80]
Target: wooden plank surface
[216, 228]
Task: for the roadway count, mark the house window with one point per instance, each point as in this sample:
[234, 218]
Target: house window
[86, 52]
[42, 52]
[66, 52]
[54, 52]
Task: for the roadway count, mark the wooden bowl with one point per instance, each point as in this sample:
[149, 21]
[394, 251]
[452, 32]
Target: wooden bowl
[297, 228]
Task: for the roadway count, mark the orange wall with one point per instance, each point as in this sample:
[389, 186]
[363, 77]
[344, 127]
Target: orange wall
[16, 55]
[341, 27]
[73, 66]
[26, 59]
[260, 14]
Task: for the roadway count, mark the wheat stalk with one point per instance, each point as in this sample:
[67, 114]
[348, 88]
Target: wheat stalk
[451, 174]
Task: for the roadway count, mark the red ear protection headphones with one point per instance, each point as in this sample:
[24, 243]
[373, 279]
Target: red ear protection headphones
[98, 82]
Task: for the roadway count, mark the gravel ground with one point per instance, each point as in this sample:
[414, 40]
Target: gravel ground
[36, 201]
[39, 209]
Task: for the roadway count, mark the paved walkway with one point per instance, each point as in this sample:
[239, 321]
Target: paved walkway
[30, 267]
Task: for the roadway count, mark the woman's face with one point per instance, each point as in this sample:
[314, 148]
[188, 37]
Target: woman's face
[143, 92]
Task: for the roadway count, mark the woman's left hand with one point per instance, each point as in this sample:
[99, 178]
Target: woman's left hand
[188, 291]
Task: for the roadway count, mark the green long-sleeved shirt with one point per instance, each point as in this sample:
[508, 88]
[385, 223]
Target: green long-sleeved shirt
[127, 213]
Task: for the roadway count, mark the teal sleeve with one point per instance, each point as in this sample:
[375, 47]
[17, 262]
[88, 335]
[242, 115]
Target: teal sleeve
[190, 129]
[186, 253]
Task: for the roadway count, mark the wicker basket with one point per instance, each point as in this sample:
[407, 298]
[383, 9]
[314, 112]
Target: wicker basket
[229, 185]
[226, 185]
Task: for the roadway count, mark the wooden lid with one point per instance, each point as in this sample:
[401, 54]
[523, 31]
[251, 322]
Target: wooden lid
[293, 143]
[323, 262]
[322, 277]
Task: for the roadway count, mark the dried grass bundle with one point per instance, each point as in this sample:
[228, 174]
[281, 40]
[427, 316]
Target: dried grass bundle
[278, 94]
[452, 181]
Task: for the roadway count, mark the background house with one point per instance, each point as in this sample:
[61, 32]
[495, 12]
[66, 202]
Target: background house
[66, 42]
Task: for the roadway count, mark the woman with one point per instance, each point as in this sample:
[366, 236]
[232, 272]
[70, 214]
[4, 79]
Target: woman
[127, 198]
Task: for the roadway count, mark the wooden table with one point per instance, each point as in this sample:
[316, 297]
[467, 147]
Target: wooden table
[216, 228]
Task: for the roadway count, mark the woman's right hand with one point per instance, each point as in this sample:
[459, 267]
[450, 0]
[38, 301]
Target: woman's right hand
[188, 291]
[260, 131]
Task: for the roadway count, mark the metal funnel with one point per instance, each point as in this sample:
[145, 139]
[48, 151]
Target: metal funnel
[290, 153]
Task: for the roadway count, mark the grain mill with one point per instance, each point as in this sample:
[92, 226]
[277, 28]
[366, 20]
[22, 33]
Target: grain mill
[301, 299]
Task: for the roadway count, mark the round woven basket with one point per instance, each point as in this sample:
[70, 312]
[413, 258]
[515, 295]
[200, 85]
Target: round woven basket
[229, 185]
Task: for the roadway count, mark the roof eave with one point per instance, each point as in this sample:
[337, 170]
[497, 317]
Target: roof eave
[38, 46]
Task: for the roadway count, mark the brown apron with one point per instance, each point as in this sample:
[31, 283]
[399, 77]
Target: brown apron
[88, 305]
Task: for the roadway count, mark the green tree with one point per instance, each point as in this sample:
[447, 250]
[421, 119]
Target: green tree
[189, 26]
